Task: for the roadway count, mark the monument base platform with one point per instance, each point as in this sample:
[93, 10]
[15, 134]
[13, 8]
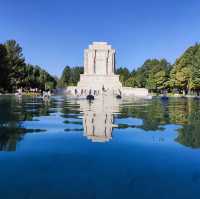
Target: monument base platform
[97, 82]
[82, 92]
[135, 92]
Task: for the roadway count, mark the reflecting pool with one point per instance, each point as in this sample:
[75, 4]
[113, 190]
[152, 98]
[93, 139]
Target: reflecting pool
[108, 148]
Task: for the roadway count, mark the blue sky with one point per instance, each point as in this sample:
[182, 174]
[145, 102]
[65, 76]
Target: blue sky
[53, 33]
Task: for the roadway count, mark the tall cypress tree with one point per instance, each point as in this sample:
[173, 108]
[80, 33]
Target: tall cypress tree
[4, 70]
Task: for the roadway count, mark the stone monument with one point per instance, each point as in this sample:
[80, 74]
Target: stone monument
[99, 75]
[99, 69]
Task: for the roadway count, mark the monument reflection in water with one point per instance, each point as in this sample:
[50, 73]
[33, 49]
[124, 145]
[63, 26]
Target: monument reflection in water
[98, 118]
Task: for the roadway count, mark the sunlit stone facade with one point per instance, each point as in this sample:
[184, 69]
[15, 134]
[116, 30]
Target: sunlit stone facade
[99, 68]
[99, 76]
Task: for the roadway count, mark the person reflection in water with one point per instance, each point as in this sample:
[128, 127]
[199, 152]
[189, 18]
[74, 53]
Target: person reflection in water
[98, 119]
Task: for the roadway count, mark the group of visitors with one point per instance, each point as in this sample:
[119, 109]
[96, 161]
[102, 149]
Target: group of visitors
[85, 92]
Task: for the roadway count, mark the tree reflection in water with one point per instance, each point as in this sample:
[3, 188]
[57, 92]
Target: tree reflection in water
[181, 111]
[13, 112]
[189, 134]
[98, 118]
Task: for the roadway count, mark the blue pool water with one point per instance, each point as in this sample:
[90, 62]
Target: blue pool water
[108, 148]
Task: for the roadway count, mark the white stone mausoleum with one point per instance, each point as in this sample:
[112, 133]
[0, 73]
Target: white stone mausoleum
[99, 73]
[99, 68]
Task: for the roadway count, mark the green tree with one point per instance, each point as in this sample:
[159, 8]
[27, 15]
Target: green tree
[124, 74]
[16, 63]
[185, 73]
[3, 68]
[65, 78]
[75, 74]
[153, 74]
[70, 76]
[16, 73]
